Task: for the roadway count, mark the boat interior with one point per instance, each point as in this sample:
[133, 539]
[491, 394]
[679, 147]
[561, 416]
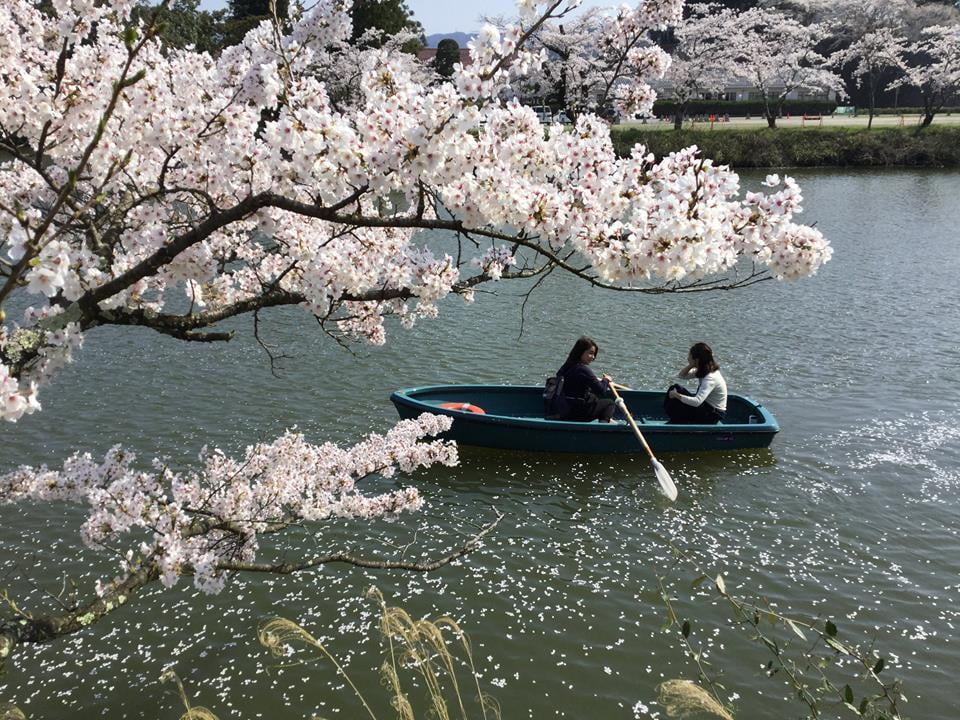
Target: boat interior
[526, 402]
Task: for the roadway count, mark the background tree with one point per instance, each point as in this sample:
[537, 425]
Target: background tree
[240, 9]
[699, 62]
[849, 21]
[857, 23]
[184, 24]
[388, 18]
[934, 69]
[244, 15]
[871, 56]
[738, 5]
[777, 55]
[448, 55]
[145, 186]
[598, 61]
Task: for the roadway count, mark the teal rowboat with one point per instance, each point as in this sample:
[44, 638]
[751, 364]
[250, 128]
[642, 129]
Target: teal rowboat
[513, 419]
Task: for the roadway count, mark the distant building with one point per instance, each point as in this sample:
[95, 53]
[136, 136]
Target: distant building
[736, 91]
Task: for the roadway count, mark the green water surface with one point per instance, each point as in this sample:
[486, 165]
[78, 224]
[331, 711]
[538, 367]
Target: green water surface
[852, 513]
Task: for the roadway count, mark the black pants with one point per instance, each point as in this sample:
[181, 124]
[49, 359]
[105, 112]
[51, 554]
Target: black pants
[681, 413]
[590, 408]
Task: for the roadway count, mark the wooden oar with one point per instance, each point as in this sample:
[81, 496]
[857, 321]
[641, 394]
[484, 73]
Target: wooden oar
[663, 477]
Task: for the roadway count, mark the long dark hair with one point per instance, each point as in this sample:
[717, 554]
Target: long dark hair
[579, 348]
[703, 356]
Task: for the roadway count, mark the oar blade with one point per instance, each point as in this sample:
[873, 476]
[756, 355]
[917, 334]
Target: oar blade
[666, 482]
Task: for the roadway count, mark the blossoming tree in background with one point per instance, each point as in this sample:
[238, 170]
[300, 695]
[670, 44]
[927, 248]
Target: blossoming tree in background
[601, 61]
[867, 39]
[134, 176]
[871, 55]
[934, 69]
[699, 63]
[776, 54]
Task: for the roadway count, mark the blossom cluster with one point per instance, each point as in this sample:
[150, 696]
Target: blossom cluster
[18, 395]
[495, 261]
[198, 521]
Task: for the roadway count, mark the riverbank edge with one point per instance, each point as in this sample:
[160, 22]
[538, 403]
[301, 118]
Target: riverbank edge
[934, 147]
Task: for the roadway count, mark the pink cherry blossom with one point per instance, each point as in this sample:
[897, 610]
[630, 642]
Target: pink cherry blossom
[200, 520]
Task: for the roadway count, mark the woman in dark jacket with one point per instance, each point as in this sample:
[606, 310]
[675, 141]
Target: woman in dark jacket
[581, 388]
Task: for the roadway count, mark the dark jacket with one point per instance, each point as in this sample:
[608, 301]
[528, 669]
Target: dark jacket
[579, 380]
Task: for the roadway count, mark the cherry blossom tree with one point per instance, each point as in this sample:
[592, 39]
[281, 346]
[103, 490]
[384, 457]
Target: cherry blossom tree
[867, 40]
[699, 62]
[602, 61]
[935, 69]
[162, 188]
[851, 19]
[777, 54]
[853, 22]
[855, 18]
[871, 55]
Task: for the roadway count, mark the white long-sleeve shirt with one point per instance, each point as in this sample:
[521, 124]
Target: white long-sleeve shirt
[712, 390]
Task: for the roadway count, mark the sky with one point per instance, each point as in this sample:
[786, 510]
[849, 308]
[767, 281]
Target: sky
[446, 16]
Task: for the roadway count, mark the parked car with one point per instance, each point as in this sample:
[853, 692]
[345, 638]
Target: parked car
[544, 113]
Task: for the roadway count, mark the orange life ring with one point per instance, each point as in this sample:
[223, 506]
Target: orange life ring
[464, 407]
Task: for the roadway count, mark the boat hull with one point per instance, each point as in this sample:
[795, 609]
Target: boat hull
[514, 420]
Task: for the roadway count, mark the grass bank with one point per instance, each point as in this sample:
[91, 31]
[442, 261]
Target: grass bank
[804, 147]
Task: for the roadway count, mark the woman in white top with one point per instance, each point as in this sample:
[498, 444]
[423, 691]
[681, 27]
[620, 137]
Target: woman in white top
[708, 405]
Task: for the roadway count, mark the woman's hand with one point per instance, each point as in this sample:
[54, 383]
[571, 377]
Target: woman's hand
[673, 394]
[606, 378]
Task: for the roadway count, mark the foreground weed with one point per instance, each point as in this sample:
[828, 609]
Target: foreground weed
[417, 647]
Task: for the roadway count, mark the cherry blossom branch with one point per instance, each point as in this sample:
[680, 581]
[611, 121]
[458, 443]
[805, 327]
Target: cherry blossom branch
[26, 628]
[123, 82]
[30, 629]
[205, 524]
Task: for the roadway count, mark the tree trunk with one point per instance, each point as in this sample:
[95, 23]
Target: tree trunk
[771, 112]
[930, 108]
[678, 120]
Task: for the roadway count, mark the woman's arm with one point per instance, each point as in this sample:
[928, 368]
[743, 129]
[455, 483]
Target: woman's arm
[592, 382]
[687, 372]
[707, 384]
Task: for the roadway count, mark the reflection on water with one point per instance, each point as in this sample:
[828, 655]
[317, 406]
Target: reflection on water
[850, 514]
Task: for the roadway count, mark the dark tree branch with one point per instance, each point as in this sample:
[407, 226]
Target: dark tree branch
[26, 628]
[379, 564]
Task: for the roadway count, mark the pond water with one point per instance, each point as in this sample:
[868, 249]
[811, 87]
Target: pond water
[851, 515]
